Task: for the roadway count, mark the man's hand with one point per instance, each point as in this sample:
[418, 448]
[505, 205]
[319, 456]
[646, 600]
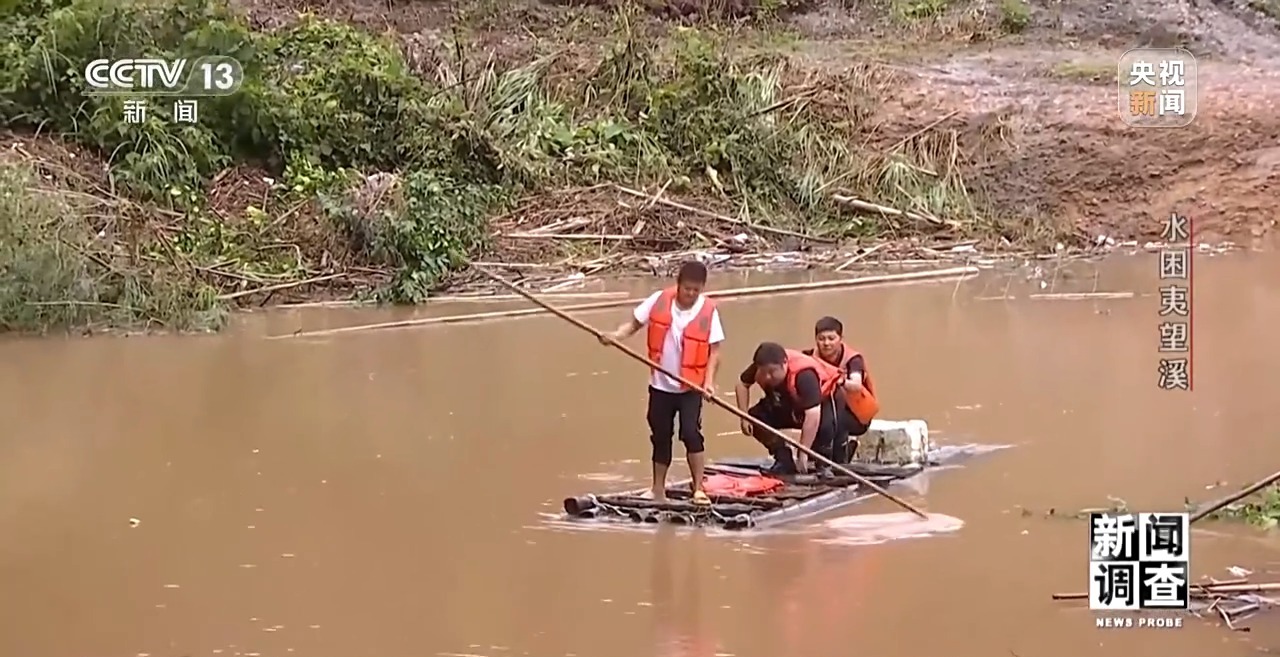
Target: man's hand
[802, 462]
[608, 339]
[709, 390]
[748, 429]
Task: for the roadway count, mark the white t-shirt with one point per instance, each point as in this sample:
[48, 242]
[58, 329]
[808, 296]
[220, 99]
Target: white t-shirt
[674, 344]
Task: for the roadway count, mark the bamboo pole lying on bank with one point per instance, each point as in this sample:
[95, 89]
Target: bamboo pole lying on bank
[504, 298]
[461, 298]
[736, 293]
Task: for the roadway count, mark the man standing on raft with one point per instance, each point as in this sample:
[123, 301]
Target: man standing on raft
[859, 389]
[684, 337]
[801, 392]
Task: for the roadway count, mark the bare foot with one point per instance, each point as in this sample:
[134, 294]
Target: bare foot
[657, 495]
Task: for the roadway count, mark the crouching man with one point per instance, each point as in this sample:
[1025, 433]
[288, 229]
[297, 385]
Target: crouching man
[800, 392]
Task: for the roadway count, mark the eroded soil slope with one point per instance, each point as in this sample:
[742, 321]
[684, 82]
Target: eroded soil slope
[1073, 156]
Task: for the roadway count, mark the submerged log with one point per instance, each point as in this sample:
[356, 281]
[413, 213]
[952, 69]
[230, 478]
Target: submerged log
[679, 518]
[764, 502]
[641, 515]
[624, 502]
[579, 506]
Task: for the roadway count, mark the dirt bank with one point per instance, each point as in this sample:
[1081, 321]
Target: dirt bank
[1003, 113]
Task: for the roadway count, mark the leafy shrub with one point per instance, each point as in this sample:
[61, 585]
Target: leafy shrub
[55, 271]
[424, 226]
[1015, 15]
[713, 120]
[338, 96]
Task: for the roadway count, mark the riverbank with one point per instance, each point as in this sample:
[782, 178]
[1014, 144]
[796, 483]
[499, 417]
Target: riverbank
[573, 142]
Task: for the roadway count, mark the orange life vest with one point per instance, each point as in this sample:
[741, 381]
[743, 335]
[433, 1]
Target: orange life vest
[695, 350]
[862, 402]
[829, 376]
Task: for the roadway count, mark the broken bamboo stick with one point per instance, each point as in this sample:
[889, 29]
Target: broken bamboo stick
[1240, 588]
[721, 217]
[1234, 586]
[1081, 296]
[572, 236]
[763, 290]
[496, 298]
[279, 286]
[867, 206]
[860, 256]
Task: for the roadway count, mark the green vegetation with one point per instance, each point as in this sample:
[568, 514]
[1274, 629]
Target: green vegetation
[1261, 509]
[1015, 15]
[1100, 72]
[383, 168]
[911, 10]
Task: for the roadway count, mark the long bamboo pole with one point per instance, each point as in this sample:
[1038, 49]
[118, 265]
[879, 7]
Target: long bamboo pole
[714, 400]
[1236, 496]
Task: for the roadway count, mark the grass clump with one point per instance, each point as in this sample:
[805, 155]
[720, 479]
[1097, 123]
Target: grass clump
[1081, 71]
[421, 227]
[916, 10]
[1015, 15]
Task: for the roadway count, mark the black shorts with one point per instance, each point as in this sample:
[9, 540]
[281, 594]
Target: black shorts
[667, 410]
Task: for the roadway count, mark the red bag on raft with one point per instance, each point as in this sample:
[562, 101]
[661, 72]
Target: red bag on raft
[740, 486]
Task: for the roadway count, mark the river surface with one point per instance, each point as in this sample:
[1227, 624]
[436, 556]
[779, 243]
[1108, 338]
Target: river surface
[386, 493]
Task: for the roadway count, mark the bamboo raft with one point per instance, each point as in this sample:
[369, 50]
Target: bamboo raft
[890, 451]
[799, 496]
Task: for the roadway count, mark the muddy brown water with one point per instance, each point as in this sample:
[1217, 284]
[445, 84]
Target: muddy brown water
[384, 494]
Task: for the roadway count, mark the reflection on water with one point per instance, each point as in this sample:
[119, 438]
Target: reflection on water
[876, 528]
[678, 607]
[381, 494]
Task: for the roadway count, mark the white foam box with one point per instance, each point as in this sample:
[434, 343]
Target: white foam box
[900, 442]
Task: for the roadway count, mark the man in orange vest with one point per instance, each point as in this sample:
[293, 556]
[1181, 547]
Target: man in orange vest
[860, 393]
[801, 392]
[684, 337]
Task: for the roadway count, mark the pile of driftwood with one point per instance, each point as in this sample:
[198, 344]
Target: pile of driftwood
[613, 227]
[554, 242]
[616, 227]
[1231, 600]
